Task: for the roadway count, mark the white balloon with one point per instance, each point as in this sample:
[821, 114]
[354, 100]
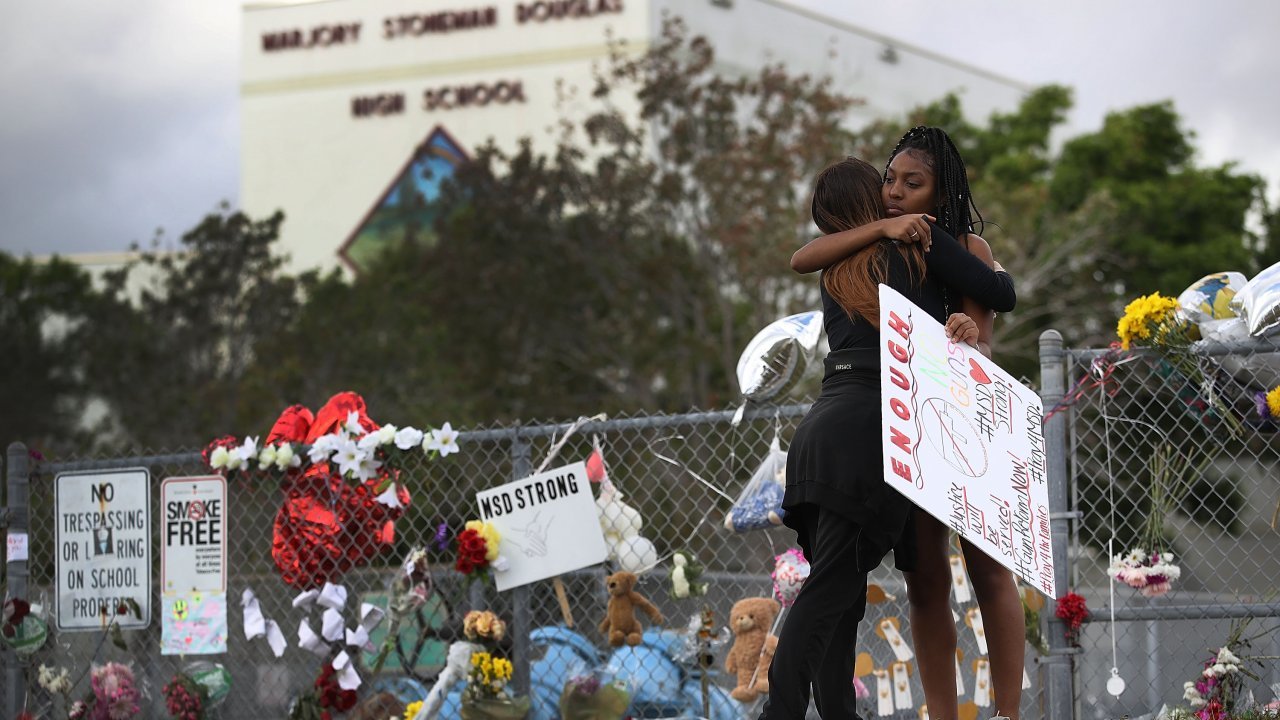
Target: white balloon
[776, 357]
[635, 554]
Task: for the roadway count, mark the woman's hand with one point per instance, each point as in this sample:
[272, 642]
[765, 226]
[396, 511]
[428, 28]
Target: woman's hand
[962, 329]
[909, 229]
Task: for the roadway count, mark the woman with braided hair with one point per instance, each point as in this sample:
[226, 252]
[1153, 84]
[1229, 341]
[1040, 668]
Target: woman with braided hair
[845, 516]
[926, 175]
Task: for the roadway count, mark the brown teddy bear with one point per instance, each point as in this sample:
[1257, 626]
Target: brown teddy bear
[620, 624]
[750, 620]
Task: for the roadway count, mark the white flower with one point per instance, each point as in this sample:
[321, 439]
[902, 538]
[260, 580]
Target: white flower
[246, 453]
[352, 425]
[348, 456]
[407, 437]
[386, 434]
[285, 457]
[219, 457]
[322, 448]
[367, 467]
[392, 500]
[368, 442]
[444, 440]
[1226, 656]
[679, 583]
[267, 457]
[55, 680]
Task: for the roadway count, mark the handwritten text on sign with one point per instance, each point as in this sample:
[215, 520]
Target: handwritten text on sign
[964, 441]
[103, 541]
[548, 522]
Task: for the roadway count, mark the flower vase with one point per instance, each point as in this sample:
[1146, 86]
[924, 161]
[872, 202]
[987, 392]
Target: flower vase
[495, 708]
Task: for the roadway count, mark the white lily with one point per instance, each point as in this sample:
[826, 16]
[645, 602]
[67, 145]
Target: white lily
[247, 451]
[348, 456]
[322, 448]
[444, 440]
[352, 425]
[367, 467]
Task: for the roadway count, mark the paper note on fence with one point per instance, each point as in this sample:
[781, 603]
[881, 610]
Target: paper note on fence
[964, 441]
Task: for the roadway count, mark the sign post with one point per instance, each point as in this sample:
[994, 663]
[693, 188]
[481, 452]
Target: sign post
[964, 441]
[103, 541]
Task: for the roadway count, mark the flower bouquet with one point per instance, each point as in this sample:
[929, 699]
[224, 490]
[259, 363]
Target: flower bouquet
[1150, 567]
[185, 699]
[593, 696]
[1152, 321]
[1072, 611]
[113, 695]
[478, 551]
[487, 696]
[1218, 692]
[409, 591]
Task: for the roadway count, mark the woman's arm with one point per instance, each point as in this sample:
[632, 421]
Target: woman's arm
[984, 317]
[969, 275]
[825, 251]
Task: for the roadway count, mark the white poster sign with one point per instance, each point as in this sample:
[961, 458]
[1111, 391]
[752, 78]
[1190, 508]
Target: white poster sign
[103, 541]
[548, 524]
[193, 535]
[964, 441]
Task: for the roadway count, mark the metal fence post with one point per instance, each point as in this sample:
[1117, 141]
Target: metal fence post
[521, 467]
[1060, 665]
[17, 481]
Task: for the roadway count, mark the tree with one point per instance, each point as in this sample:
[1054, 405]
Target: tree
[174, 366]
[42, 308]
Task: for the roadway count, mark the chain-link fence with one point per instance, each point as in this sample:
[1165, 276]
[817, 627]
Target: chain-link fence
[1148, 431]
[677, 470]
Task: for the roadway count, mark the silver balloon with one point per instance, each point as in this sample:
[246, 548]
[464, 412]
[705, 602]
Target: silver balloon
[1209, 298]
[776, 357]
[1259, 302]
[1259, 369]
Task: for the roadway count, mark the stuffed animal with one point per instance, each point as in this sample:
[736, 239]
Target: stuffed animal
[685, 574]
[620, 624]
[751, 619]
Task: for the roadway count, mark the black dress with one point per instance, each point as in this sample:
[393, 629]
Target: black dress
[845, 515]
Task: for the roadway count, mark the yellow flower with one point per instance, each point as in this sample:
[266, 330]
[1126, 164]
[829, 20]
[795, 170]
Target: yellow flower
[1273, 401]
[412, 709]
[1149, 317]
[503, 668]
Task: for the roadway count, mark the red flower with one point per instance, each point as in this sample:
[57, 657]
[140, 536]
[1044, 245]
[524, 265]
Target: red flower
[1072, 611]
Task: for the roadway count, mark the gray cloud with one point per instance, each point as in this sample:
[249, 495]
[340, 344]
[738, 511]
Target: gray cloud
[123, 117]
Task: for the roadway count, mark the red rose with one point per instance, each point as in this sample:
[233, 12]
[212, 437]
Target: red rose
[346, 700]
[464, 566]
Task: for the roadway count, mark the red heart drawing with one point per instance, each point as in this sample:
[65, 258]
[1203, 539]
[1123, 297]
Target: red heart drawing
[977, 373]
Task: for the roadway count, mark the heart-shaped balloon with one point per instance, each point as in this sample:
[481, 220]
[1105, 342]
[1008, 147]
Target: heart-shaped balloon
[325, 526]
[790, 570]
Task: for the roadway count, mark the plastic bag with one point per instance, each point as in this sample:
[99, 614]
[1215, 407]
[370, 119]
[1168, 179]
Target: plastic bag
[760, 505]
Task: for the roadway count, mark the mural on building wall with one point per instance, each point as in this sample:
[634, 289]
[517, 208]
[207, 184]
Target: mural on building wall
[405, 209]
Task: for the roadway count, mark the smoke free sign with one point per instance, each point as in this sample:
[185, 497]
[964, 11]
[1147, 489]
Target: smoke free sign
[193, 537]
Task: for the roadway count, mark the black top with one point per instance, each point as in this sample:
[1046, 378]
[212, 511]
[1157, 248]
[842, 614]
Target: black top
[947, 265]
[835, 458]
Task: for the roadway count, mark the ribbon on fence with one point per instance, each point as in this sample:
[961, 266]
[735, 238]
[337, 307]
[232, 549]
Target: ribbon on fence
[1100, 375]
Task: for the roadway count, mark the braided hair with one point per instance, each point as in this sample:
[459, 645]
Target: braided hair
[952, 198]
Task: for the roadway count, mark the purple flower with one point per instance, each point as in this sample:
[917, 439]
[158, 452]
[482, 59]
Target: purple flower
[441, 539]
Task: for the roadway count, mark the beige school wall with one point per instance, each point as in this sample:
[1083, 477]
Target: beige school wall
[326, 128]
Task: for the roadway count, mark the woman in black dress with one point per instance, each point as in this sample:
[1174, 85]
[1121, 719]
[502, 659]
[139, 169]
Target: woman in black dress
[846, 516]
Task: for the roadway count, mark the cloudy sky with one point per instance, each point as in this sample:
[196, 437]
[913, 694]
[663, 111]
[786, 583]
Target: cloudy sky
[121, 117]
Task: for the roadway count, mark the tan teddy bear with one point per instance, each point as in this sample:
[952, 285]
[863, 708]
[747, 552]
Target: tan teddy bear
[750, 620]
[620, 624]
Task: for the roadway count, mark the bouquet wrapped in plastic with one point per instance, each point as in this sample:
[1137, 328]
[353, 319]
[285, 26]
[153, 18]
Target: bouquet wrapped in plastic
[594, 695]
